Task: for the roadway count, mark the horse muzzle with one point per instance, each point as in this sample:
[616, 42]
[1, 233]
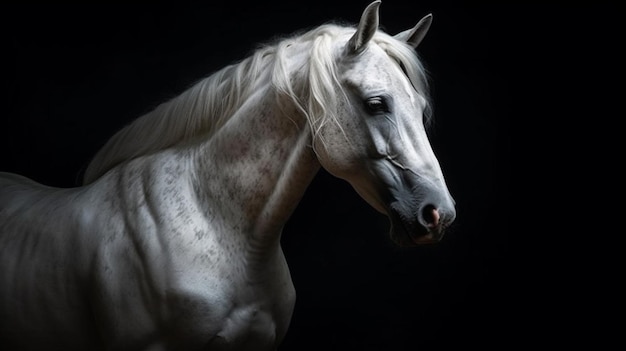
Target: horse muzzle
[421, 216]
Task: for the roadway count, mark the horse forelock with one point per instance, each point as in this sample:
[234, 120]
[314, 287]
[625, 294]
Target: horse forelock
[321, 86]
[411, 65]
[206, 106]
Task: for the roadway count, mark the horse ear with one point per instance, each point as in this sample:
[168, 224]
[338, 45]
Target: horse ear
[415, 35]
[368, 25]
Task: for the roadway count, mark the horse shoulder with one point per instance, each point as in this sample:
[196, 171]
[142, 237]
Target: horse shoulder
[202, 287]
[156, 270]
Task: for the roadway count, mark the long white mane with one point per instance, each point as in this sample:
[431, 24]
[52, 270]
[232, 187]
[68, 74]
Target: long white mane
[208, 104]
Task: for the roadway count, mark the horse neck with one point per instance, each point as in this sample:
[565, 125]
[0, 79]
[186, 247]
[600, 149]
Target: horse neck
[257, 167]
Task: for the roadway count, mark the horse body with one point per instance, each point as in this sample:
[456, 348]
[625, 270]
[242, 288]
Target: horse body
[156, 269]
[178, 247]
[39, 300]
[176, 252]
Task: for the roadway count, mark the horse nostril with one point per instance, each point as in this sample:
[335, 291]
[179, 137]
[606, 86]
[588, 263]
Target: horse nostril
[431, 216]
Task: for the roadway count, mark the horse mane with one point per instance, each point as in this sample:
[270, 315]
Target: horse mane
[206, 106]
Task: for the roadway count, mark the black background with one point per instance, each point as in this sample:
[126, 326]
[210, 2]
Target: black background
[525, 129]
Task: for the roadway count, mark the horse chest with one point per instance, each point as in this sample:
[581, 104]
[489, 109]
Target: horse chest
[237, 300]
[249, 327]
[235, 313]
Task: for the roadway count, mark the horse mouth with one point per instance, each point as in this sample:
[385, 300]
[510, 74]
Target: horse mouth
[407, 230]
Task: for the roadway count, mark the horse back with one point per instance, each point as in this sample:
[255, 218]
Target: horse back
[42, 265]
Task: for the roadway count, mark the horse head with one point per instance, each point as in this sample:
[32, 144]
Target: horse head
[378, 141]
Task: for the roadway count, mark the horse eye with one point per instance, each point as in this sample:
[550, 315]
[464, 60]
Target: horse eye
[376, 105]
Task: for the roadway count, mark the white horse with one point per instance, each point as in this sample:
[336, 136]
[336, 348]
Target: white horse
[173, 241]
